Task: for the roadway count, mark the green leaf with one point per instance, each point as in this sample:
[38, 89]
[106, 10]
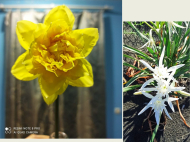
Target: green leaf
[138, 32]
[129, 65]
[184, 58]
[127, 56]
[132, 87]
[139, 52]
[182, 70]
[172, 56]
[136, 77]
[153, 54]
[186, 34]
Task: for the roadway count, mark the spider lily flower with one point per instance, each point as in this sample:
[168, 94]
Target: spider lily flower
[163, 89]
[161, 71]
[157, 103]
[150, 42]
[171, 27]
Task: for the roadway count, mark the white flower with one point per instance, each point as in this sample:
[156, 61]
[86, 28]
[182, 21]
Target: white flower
[161, 71]
[150, 42]
[157, 103]
[171, 27]
[162, 89]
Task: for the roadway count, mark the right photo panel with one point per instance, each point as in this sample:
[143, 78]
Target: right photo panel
[156, 79]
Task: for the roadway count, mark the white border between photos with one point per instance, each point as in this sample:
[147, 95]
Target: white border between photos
[156, 10]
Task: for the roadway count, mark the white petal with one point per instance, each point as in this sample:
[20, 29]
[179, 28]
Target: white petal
[145, 108]
[162, 57]
[157, 116]
[146, 83]
[147, 95]
[167, 113]
[144, 44]
[171, 76]
[176, 88]
[175, 67]
[150, 33]
[173, 23]
[169, 100]
[149, 89]
[147, 65]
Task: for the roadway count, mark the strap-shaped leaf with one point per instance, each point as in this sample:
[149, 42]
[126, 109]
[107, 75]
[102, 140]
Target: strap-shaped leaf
[135, 78]
[132, 87]
[129, 65]
[127, 56]
[138, 32]
[139, 52]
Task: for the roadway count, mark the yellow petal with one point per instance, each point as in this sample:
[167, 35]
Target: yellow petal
[87, 79]
[60, 12]
[89, 36]
[50, 84]
[19, 70]
[50, 99]
[24, 31]
[40, 28]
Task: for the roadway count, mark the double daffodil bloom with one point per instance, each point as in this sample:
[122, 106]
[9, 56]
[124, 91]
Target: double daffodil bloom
[161, 71]
[55, 53]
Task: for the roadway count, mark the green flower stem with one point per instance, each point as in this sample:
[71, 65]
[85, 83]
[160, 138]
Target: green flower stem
[155, 131]
[57, 117]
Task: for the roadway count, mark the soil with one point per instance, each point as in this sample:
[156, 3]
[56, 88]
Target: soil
[136, 128]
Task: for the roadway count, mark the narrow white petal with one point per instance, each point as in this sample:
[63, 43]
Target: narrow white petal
[171, 76]
[169, 100]
[144, 44]
[162, 57]
[146, 83]
[173, 23]
[145, 108]
[176, 88]
[171, 106]
[167, 113]
[150, 33]
[172, 99]
[175, 67]
[149, 89]
[147, 65]
[157, 116]
[174, 80]
[147, 95]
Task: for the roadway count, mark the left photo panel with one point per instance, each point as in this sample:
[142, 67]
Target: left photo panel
[61, 69]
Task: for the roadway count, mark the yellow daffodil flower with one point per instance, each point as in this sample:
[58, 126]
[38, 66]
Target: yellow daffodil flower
[55, 53]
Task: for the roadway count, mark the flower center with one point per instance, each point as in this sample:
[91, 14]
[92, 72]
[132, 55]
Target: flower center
[157, 104]
[163, 89]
